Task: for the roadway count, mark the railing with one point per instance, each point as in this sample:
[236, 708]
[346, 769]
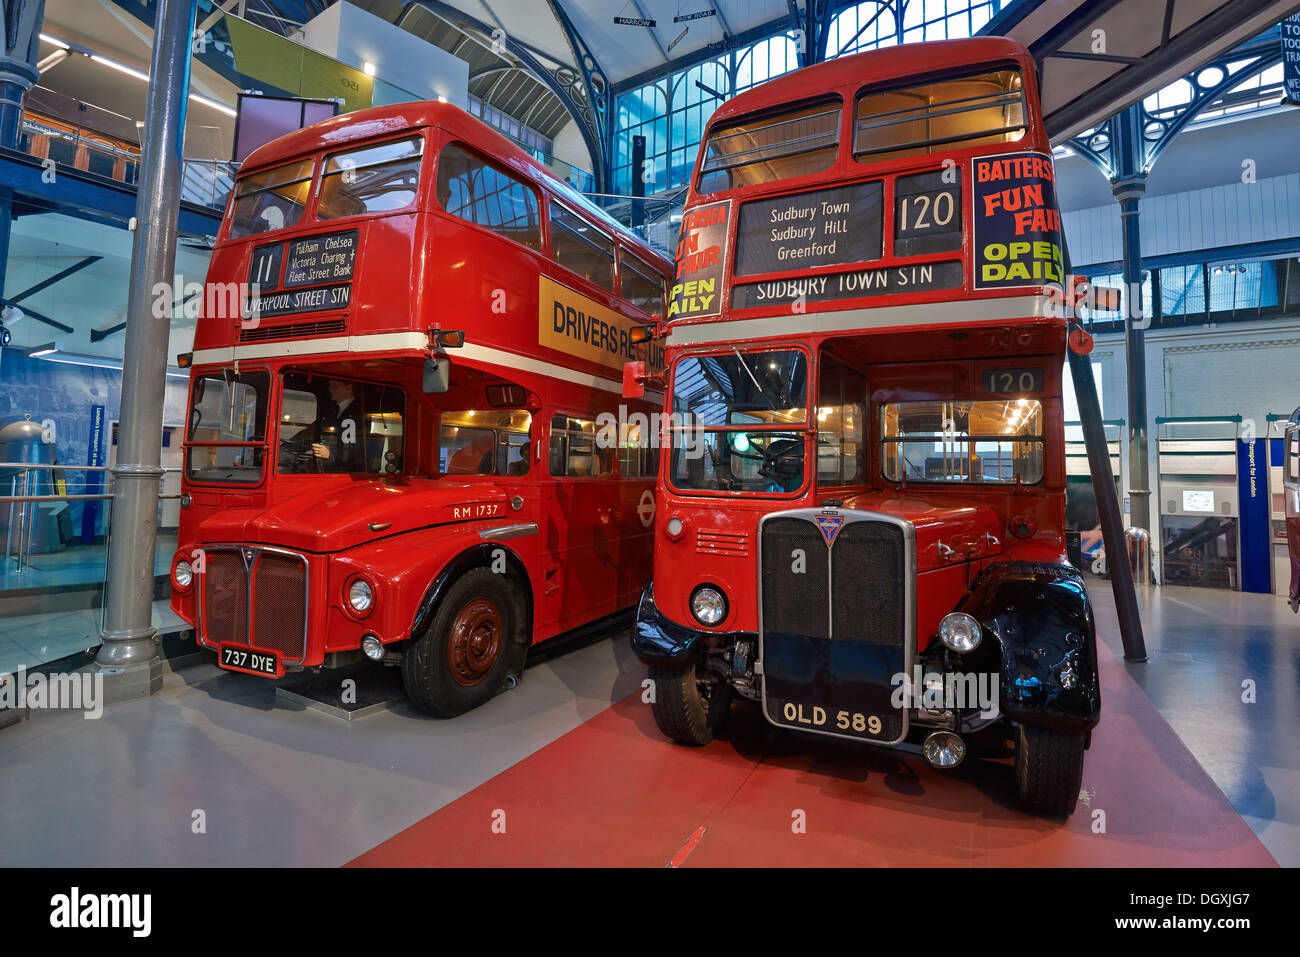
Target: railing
[25, 498]
[207, 182]
[104, 145]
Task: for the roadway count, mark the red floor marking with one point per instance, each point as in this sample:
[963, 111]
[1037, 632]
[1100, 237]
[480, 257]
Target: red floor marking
[614, 791]
[680, 857]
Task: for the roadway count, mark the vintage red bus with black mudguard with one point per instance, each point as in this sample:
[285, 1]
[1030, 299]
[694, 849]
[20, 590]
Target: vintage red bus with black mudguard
[860, 519]
[395, 443]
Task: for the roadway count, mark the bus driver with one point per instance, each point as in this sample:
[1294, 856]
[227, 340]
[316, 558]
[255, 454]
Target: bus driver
[338, 445]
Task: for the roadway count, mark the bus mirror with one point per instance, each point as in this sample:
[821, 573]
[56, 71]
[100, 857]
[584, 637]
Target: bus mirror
[633, 379]
[437, 376]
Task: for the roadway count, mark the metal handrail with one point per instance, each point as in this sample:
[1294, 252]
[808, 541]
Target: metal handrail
[22, 520]
[5, 499]
[71, 468]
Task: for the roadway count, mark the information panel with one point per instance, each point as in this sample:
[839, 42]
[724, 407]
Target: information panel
[1017, 225]
[317, 275]
[827, 227]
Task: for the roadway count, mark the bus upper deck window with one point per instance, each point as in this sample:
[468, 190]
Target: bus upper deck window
[916, 120]
[772, 147]
[471, 189]
[581, 247]
[642, 286]
[373, 179]
[273, 199]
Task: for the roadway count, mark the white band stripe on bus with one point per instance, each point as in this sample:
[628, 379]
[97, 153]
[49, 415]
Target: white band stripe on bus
[390, 341]
[842, 320]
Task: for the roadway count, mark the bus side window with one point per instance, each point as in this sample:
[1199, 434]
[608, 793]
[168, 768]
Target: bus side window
[470, 189]
[840, 417]
[581, 248]
[575, 451]
[640, 285]
[1293, 459]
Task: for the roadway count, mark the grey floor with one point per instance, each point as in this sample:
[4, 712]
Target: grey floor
[1207, 649]
[275, 784]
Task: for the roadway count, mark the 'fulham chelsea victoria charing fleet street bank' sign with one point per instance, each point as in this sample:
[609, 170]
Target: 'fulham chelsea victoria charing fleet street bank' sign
[317, 275]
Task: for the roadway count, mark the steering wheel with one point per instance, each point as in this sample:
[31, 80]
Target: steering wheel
[300, 456]
[782, 461]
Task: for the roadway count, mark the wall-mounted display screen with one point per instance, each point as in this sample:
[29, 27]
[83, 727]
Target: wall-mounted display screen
[1198, 500]
[261, 119]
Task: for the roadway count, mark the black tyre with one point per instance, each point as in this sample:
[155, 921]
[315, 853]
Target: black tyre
[689, 707]
[463, 657]
[1049, 769]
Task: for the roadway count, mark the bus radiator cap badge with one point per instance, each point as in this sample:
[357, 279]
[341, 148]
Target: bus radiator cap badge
[830, 526]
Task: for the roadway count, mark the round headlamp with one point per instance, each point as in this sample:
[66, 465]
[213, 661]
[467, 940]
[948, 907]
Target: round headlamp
[960, 632]
[361, 597]
[708, 605]
[183, 574]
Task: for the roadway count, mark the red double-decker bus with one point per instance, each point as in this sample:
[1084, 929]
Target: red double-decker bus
[860, 518]
[404, 437]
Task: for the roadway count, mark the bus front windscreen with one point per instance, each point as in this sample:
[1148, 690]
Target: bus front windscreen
[740, 422]
[226, 437]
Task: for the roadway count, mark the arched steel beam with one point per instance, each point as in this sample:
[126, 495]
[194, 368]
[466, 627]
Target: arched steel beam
[1156, 132]
[554, 78]
[598, 94]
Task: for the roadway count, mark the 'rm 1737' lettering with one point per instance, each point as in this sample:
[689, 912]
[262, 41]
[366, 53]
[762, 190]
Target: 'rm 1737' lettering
[476, 511]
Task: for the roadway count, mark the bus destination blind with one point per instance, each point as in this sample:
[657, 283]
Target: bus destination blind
[317, 275]
[825, 227]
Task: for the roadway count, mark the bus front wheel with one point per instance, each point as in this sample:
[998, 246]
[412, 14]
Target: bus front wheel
[1049, 769]
[462, 658]
[689, 706]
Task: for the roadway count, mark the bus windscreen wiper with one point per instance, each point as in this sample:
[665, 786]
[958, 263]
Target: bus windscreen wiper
[754, 379]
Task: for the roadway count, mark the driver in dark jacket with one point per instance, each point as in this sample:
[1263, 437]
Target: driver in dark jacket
[340, 445]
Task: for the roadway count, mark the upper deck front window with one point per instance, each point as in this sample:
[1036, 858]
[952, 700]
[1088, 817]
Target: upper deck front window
[373, 179]
[273, 199]
[771, 147]
[925, 118]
